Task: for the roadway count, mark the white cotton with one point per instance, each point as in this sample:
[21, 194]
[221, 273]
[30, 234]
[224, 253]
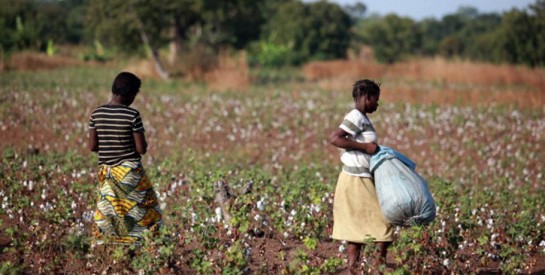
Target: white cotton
[261, 204]
[194, 217]
[218, 213]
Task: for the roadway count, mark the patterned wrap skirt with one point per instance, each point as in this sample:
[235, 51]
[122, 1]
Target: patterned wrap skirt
[127, 204]
[356, 212]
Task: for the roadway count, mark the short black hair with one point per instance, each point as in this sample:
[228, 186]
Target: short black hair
[365, 87]
[126, 84]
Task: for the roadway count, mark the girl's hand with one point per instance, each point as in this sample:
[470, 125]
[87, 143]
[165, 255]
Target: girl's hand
[372, 148]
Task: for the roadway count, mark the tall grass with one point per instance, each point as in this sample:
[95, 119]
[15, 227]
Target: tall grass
[438, 81]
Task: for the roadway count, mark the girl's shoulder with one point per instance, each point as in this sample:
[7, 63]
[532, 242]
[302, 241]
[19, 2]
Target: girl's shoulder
[354, 115]
[113, 108]
[358, 118]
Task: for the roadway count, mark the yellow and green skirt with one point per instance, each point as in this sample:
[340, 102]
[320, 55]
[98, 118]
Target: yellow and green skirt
[127, 204]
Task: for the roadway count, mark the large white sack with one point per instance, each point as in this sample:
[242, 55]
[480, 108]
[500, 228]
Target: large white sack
[403, 195]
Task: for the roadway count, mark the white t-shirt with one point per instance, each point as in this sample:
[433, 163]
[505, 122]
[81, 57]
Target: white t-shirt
[360, 129]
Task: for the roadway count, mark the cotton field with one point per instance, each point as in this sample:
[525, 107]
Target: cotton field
[269, 145]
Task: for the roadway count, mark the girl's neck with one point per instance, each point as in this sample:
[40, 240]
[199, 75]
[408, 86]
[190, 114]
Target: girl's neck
[111, 103]
[116, 100]
[362, 111]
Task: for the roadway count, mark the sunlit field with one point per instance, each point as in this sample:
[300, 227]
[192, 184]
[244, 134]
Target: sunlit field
[479, 145]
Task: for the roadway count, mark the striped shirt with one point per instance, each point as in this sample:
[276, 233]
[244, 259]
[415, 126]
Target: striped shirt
[360, 129]
[115, 125]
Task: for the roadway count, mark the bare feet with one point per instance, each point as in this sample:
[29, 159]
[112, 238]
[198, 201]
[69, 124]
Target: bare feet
[353, 250]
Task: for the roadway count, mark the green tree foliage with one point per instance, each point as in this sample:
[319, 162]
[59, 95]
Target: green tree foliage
[17, 27]
[480, 37]
[392, 38]
[272, 55]
[519, 40]
[215, 23]
[523, 33]
[468, 34]
[200, 28]
[124, 23]
[238, 22]
[312, 31]
[356, 11]
[432, 34]
[275, 32]
[516, 37]
[538, 10]
[30, 24]
[454, 41]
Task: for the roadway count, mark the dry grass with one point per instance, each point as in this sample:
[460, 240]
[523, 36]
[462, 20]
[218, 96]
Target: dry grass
[437, 81]
[469, 72]
[421, 80]
[144, 69]
[31, 61]
[222, 72]
[231, 73]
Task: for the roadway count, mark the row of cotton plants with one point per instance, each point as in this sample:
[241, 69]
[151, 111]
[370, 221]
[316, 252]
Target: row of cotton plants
[270, 146]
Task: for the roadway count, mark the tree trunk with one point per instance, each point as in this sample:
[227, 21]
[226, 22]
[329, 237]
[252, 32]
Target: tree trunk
[174, 46]
[159, 68]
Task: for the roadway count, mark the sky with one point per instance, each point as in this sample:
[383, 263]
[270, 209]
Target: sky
[420, 9]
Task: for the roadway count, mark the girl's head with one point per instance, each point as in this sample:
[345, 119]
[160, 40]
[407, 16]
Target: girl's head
[126, 85]
[365, 87]
[366, 94]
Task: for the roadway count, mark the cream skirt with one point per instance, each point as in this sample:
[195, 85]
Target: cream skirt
[356, 212]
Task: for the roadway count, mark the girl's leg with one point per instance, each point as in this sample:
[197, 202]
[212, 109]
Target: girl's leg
[353, 250]
[383, 251]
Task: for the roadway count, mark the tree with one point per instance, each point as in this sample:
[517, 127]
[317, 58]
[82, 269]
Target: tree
[318, 30]
[451, 46]
[15, 23]
[135, 24]
[30, 24]
[520, 42]
[432, 34]
[393, 38]
[538, 13]
[480, 37]
[356, 11]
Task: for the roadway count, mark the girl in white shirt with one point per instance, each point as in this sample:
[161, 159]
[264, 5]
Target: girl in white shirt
[357, 218]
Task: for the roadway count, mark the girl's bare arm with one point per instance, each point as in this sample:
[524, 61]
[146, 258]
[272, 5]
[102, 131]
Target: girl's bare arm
[93, 140]
[140, 143]
[338, 138]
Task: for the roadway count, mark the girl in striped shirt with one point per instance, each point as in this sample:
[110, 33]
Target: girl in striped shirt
[126, 202]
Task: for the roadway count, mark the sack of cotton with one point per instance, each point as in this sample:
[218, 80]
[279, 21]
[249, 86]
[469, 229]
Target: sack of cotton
[403, 195]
